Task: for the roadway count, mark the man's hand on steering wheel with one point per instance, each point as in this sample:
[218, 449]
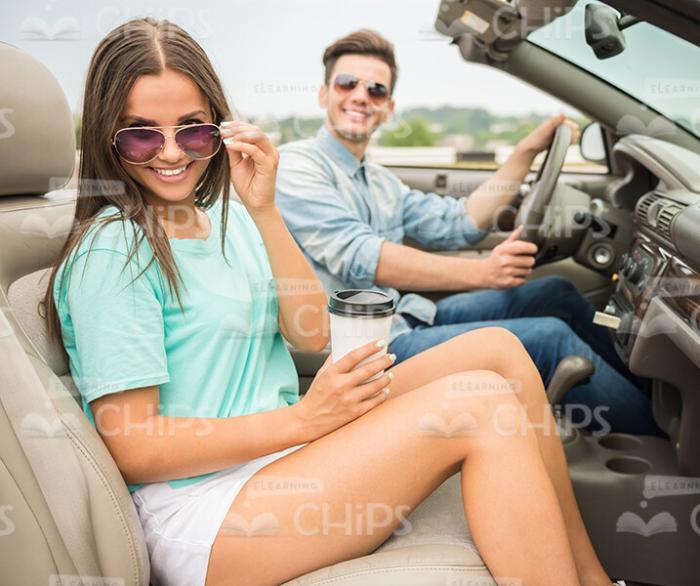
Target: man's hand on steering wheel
[509, 263]
[555, 136]
[540, 138]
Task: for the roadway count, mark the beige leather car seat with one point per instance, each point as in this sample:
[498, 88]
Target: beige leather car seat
[65, 513]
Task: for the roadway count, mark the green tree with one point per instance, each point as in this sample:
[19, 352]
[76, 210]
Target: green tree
[413, 132]
[295, 128]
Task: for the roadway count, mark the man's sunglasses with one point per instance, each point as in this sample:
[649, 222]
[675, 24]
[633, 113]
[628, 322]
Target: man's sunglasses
[346, 82]
[139, 145]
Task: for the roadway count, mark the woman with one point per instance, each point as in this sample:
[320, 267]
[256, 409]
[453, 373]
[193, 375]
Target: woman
[182, 367]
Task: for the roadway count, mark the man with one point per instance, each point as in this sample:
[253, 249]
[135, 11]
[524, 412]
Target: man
[350, 217]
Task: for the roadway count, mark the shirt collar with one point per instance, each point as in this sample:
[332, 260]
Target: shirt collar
[338, 152]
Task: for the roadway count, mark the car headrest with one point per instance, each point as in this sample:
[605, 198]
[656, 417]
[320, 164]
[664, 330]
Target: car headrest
[37, 136]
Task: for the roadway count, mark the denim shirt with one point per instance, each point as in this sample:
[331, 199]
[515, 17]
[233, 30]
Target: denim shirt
[340, 210]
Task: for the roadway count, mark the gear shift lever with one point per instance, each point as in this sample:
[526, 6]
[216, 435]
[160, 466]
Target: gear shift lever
[569, 372]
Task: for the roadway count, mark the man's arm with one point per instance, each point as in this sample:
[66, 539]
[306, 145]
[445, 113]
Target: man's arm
[327, 230]
[509, 263]
[483, 204]
[498, 191]
[403, 267]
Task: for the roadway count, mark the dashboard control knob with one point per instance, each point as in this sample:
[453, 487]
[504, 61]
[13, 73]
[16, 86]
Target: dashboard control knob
[626, 265]
[636, 273]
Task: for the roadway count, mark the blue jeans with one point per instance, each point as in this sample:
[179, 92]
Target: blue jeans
[553, 321]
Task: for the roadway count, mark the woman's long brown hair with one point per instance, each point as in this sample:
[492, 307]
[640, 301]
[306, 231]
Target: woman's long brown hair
[139, 47]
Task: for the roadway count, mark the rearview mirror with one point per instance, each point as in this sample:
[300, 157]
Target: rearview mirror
[592, 144]
[604, 30]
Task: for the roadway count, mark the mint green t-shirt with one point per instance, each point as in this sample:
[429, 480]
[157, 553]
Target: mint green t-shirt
[223, 357]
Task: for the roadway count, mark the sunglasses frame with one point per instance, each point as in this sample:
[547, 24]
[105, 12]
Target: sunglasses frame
[179, 127]
[368, 84]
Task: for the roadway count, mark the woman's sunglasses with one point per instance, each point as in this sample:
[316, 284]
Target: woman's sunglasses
[346, 82]
[139, 145]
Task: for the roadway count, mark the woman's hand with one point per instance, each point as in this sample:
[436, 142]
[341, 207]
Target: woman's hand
[253, 161]
[340, 394]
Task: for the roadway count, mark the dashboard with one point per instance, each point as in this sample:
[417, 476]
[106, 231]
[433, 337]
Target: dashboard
[663, 259]
[650, 271]
[655, 306]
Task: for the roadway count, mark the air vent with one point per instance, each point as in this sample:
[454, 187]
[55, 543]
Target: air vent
[666, 216]
[643, 207]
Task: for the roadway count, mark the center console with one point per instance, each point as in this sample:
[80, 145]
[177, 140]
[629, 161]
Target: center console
[640, 495]
[639, 278]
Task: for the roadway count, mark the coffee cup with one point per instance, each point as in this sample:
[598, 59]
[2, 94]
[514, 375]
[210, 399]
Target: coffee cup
[359, 316]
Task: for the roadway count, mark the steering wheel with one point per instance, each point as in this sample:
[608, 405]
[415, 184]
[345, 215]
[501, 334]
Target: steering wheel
[533, 207]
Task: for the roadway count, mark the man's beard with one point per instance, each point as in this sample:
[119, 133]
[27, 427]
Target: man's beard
[350, 136]
[354, 137]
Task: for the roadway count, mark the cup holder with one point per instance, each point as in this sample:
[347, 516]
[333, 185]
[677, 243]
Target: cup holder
[620, 442]
[629, 465]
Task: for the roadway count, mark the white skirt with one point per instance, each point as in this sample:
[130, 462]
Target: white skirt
[180, 524]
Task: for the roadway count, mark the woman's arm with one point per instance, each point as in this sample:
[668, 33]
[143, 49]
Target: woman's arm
[253, 163]
[303, 315]
[149, 447]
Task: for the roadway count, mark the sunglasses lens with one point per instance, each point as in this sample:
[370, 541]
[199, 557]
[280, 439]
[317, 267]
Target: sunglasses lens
[346, 82]
[199, 141]
[138, 145]
[377, 90]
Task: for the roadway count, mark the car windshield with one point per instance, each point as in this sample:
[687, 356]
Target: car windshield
[656, 67]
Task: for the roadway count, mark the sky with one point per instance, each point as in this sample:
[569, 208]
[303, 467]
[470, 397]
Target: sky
[268, 52]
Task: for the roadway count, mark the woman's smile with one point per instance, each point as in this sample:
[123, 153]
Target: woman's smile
[171, 174]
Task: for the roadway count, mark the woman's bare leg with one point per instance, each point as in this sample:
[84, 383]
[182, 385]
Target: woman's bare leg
[356, 485]
[498, 350]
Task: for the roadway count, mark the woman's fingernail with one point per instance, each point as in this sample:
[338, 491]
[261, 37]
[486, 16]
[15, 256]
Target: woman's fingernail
[229, 140]
[390, 375]
[381, 343]
[392, 357]
[225, 123]
[387, 390]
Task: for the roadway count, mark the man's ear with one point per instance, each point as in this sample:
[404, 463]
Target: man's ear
[389, 112]
[323, 96]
